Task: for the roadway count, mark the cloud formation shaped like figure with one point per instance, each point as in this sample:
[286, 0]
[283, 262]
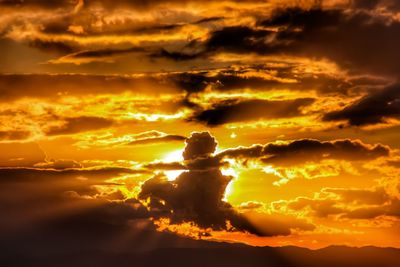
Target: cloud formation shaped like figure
[197, 194]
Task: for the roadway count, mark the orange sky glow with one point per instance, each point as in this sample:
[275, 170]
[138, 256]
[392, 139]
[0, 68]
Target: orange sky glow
[268, 123]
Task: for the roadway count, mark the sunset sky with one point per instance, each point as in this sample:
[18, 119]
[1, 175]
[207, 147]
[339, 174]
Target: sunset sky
[263, 122]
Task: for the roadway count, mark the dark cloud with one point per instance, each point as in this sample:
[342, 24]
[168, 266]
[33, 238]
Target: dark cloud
[394, 163]
[140, 4]
[205, 163]
[165, 166]
[390, 5]
[191, 82]
[209, 19]
[308, 150]
[61, 24]
[15, 86]
[22, 175]
[51, 212]
[79, 124]
[199, 145]
[196, 195]
[345, 36]
[271, 78]
[40, 3]
[157, 139]
[367, 4]
[101, 53]
[177, 56]
[240, 39]
[226, 80]
[53, 217]
[29, 195]
[52, 46]
[371, 109]
[229, 111]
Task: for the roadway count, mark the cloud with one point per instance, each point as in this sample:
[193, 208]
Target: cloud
[40, 174]
[59, 164]
[16, 86]
[253, 78]
[377, 196]
[367, 4]
[253, 75]
[391, 209]
[140, 5]
[304, 150]
[345, 36]
[363, 203]
[196, 194]
[40, 195]
[371, 109]
[319, 207]
[157, 139]
[167, 166]
[240, 39]
[52, 46]
[310, 32]
[177, 56]
[230, 111]
[79, 124]
[199, 145]
[61, 207]
[14, 135]
[138, 139]
[41, 3]
[322, 33]
[101, 55]
[390, 5]
[236, 39]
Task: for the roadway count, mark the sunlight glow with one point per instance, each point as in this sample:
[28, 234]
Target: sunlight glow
[155, 117]
[174, 156]
[229, 187]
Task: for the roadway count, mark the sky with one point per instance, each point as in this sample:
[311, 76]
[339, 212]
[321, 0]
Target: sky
[268, 123]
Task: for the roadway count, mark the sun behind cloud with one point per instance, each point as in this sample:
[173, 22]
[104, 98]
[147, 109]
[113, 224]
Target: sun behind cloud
[138, 128]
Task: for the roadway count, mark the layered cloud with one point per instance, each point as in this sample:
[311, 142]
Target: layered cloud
[248, 110]
[371, 109]
[343, 204]
[105, 108]
[197, 196]
[308, 150]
